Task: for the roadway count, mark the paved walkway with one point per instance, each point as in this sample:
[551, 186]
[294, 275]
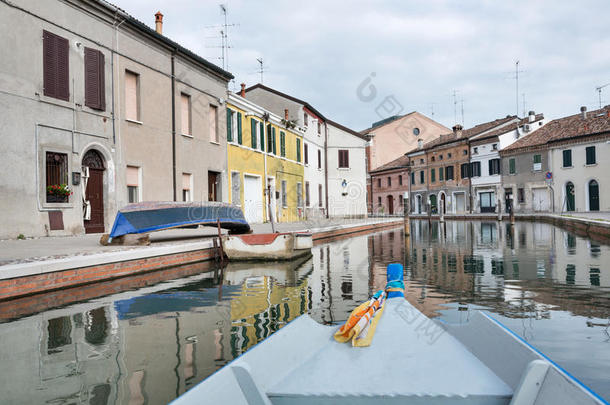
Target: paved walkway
[57, 247]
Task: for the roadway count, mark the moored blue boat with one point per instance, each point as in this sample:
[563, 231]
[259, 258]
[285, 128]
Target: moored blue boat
[156, 216]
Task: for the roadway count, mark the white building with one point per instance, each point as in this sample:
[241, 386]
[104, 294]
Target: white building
[485, 161]
[346, 172]
[579, 163]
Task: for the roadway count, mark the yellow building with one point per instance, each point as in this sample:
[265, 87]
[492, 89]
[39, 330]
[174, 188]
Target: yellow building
[265, 158]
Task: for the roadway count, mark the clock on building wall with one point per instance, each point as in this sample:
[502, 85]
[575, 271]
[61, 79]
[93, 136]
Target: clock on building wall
[416, 131]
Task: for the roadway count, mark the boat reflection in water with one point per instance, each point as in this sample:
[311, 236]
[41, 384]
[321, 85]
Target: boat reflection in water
[151, 344]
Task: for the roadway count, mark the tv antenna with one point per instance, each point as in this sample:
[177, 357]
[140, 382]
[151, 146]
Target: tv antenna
[432, 108]
[517, 71]
[261, 70]
[455, 106]
[524, 109]
[462, 102]
[599, 92]
[224, 36]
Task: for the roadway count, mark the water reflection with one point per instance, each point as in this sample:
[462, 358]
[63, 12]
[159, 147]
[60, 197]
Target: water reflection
[151, 344]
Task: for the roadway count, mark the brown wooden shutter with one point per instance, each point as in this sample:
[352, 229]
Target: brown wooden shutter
[94, 79]
[102, 80]
[63, 68]
[49, 62]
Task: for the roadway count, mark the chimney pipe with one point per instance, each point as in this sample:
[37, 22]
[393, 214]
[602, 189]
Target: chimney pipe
[159, 23]
[243, 90]
[457, 130]
[531, 117]
[286, 114]
[583, 112]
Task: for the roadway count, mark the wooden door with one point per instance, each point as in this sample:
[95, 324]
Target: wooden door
[212, 186]
[390, 204]
[95, 195]
[593, 196]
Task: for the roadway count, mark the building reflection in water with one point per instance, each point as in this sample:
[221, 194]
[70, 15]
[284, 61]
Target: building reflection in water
[151, 344]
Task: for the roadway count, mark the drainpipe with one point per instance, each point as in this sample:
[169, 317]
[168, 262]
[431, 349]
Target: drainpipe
[326, 167]
[174, 124]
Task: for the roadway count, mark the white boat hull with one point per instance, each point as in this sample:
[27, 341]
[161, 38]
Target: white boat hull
[268, 247]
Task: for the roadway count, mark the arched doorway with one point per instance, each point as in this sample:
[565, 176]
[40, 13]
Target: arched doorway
[570, 204]
[94, 191]
[390, 205]
[593, 196]
[433, 209]
[443, 203]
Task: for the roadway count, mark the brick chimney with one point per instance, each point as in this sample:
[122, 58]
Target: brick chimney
[286, 114]
[243, 90]
[583, 112]
[457, 130]
[159, 23]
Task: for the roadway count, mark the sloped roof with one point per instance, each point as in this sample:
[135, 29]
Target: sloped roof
[401, 162]
[573, 126]
[507, 128]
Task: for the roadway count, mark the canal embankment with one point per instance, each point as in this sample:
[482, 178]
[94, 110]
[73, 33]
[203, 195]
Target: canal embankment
[592, 225]
[33, 266]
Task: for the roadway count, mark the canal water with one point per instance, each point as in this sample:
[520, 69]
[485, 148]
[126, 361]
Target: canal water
[151, 344]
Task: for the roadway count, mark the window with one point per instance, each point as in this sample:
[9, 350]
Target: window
[282, 144]
[236, 188]
[389, 181]
[567, 158]
[185, 113]
[284, 194]
[416, 131]
[412, 178]
[240, 139]
[537, 162]
[449, 173]
[400, 180]
[306, 153]
[229, 125]
[379, 201]
[432, 175]
[475, 150]
[520, 195]
[132, 96]
[300, 195]
[421, 161]
[261, 132]
[421, 177]
[253, 133]
[298, 150]
[440, 157]
[307, 200]
[465, 170]
[56, 74]
[590, 150]
[187, 193]
[320, 196]
[475, 169]
[494, 166]
[57, 175]
[319, 128]
[465, 152]
[133, 184]
[344, 158]
[269, 139]
[319, 159]
[433, 158]
[379, 183]
[305, 119]
[494, 146]
[95, 88]
[448, 155]
[512, 169]
[213, 117]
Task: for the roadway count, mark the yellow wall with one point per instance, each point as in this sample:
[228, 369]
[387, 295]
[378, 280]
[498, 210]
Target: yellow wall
[244, 159]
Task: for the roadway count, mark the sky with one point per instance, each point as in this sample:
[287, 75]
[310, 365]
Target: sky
[360, 61]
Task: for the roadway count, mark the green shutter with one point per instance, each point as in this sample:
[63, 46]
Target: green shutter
[283, 143]
[432, 175]
[537, 158]
[239, 140]
[253, 132]
[511, 166]
[229, 134]
[298, 150]
[273, 141]
[261, 130]
[441, 174]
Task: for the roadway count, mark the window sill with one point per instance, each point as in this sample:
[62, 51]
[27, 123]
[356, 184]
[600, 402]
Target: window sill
[567, 167]
[591, 165]
[134, 121]
[218, 143]
[346, 169]
[187, 136]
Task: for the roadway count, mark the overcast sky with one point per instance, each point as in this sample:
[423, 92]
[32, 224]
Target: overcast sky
[418, 52]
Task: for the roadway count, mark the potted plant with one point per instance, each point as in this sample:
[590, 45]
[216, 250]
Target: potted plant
[58, 193]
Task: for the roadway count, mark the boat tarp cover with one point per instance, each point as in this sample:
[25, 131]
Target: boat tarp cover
[157, 216]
